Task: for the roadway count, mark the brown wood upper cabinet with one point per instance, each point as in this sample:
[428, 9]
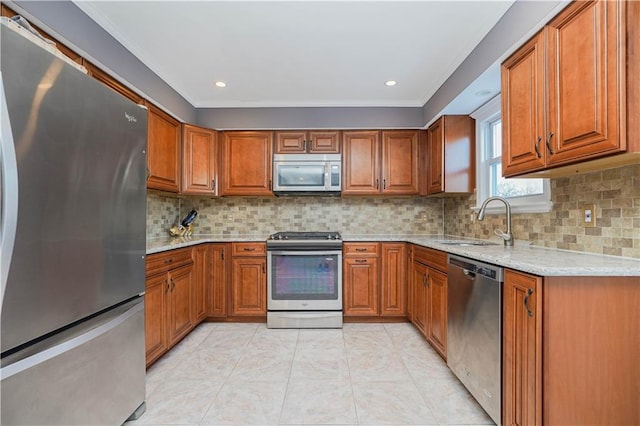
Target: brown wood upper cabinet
[451, 155]
[312, 142]
[570, 93]
[246, 162]
[380, 162]
[163, 151]
[199, 154]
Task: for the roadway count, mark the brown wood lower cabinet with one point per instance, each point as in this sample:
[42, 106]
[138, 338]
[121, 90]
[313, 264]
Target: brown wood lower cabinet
[200, 254]
[428, 289]
[168, 300]
[375, 280]
[570, 350]
[217, 285]
[249, 280]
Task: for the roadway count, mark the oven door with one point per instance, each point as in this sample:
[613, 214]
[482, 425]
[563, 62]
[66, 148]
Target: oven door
[304, 280]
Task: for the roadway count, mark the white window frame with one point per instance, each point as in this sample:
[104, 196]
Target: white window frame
[540, 203]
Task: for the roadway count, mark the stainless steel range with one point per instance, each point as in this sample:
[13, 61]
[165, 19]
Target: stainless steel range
[304, 280]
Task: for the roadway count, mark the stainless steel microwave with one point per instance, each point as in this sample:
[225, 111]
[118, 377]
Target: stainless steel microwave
[307, 174]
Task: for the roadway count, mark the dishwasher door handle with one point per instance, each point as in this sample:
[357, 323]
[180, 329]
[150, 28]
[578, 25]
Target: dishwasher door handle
[469, 274]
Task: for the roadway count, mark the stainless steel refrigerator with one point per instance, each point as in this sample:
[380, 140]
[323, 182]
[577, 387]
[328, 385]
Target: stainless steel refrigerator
[72, 243]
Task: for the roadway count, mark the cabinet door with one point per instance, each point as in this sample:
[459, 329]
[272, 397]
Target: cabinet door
[291, 142]
[585, 71]
[361, 286]
[523, 122]
[217, 285]
[163, 151]
[521, 350]
[360, 163]
[437, 311]
[400, 162]
[393, 286]
[247, 163]
[435, 149]
[181, 281]
[323, 142]
[155, 327]
[199, 149]
[419, 277]
[200, 256]
[249, 286]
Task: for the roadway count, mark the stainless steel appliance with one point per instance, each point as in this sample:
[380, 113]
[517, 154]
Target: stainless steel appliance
[72, 242]
[304, 280]
[307, 174]
[474, 332]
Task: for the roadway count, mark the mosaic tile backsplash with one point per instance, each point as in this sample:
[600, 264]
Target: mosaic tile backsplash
[615, 193]
[263, 216]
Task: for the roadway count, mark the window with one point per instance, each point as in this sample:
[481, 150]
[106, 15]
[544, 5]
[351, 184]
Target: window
[525, 195]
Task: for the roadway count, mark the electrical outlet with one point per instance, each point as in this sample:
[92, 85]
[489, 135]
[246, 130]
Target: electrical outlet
[589, 216]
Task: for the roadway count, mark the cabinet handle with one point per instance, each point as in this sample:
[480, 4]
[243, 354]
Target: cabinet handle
[526, 302]
[222, 254]
[304, 145]
[168, 261]
[384, 184]
[148, 173]
[361, 249]
[263, 269]
[549, 143]
[361, 260]
[537, 147]
[213, 184]
[377, 183]
[270, 185]
[173, 284]
[424, 280]
[166, 290]
[249, 249]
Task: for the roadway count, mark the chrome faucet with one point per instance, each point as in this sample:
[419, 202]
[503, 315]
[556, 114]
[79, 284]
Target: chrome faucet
[506, 236]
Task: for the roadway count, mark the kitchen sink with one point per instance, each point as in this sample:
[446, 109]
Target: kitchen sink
[466, 243]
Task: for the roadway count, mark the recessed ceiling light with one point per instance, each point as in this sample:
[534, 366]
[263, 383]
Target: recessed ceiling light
[221, 84]
[484, 92]
[390, 83]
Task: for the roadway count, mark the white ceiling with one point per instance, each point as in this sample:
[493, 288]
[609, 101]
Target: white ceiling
[300, 53]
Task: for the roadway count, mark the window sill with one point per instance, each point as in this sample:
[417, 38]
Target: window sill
[499, 208]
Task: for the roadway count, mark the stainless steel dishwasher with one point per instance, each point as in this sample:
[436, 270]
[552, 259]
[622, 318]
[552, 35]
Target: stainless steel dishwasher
[474, 332]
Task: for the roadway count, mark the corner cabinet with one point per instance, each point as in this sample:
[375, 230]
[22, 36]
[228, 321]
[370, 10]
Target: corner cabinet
[163, 151]
[199, 159]
[570, 93]
[571, 346]
[246, 163]
[375, 280]
[451, 155]
[380, 162]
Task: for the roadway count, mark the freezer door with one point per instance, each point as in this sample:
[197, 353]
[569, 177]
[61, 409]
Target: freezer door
[79, 157]
[92, 374]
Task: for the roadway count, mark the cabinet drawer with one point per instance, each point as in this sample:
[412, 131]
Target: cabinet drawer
[162, 262]
[249, 249]
[361, 249]
[430, 257]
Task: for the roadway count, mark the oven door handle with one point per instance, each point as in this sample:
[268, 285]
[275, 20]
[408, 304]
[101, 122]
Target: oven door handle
[304, 252]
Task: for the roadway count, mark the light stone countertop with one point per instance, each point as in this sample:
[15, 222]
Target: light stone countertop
[522, 257]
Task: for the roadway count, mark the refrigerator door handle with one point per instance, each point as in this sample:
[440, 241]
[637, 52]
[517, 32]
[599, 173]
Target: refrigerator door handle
[70, 344]
[9, 187]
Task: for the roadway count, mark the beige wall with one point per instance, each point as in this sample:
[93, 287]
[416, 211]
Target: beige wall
[615, 193]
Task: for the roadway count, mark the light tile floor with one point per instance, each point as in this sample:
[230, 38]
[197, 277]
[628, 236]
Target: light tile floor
[364, 374]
